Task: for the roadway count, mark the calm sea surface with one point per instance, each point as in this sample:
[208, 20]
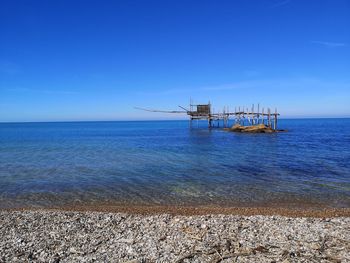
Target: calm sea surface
[165, 162]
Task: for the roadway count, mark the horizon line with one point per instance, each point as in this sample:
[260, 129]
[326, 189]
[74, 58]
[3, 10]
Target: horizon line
[160, 120]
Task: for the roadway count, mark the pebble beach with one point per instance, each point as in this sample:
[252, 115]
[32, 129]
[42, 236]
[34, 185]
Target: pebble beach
[174, 131]
[87, 236]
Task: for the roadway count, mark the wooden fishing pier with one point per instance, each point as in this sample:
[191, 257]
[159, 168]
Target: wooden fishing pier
[241, 115]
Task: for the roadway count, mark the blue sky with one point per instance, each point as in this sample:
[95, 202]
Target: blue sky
[96, 60]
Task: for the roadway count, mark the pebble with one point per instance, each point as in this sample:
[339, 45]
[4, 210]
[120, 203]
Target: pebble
[57, 236]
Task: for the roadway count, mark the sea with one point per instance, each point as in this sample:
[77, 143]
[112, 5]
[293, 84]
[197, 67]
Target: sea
[168, 163]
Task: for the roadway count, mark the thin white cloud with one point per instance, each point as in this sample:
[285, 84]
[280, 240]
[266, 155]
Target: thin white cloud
[289, 84]
[330, 44]
[279, 84]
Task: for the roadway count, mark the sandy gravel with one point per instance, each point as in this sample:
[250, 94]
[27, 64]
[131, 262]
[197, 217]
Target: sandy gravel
[306, 211]
[59, 236]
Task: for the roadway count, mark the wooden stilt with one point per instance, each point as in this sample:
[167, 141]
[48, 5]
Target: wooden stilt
[275, 120]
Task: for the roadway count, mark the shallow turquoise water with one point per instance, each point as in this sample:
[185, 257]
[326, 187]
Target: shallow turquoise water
[165, 162]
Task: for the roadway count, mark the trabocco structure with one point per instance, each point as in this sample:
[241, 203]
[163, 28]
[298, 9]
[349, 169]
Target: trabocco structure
[242, 115]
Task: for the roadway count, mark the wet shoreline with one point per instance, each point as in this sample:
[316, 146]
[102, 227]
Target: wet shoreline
[316, 212]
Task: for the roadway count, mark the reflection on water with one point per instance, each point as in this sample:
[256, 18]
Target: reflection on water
[48, 164]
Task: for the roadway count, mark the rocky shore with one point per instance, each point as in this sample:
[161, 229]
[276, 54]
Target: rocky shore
[63, 236]
[259, 128]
